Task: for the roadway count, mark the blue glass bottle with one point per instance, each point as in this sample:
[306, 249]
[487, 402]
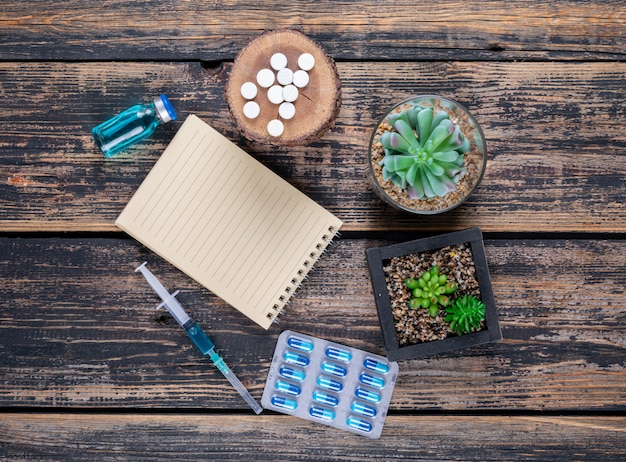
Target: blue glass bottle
[132, 125]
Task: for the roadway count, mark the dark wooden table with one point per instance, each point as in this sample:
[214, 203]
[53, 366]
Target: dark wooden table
[88, 371]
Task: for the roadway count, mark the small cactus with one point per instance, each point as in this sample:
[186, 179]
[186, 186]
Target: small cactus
[464, 314]
[424, 155]
[430, 290]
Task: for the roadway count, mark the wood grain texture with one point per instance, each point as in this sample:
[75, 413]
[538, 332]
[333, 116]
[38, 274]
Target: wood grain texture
[365, 30]
[88, 369]
[79, 330]
[105, 437]
[318, 102]
[555, 139]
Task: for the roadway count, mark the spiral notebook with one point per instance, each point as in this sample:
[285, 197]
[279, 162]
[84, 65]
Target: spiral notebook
[228, 222]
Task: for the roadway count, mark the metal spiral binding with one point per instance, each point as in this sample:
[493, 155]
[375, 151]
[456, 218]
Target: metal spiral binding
[308, 266]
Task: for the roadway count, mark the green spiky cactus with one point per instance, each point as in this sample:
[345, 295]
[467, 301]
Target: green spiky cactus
[424, 155]
[464, 314]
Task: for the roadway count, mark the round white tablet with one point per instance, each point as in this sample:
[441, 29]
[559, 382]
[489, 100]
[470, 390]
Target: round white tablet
[265, 78]
[248, 90]
[287, 110]
[275, 127]
[285, 76]
[251, 110]
[275, 94]
[306, 61]
[301, 78]
[290, 93]
[278, 61]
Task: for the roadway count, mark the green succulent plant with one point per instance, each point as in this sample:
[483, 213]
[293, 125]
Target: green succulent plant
[430, 290]
[465, 313]
[424, 155]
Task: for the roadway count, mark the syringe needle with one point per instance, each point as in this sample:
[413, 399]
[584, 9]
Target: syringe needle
[197, 335]
[234, 381]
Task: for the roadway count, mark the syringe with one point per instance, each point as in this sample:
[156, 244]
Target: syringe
[196, 334]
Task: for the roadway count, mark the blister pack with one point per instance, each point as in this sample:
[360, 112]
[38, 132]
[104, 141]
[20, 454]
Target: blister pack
[330, 383]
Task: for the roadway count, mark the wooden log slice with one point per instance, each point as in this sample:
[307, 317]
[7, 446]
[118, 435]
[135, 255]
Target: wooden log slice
[317, 105]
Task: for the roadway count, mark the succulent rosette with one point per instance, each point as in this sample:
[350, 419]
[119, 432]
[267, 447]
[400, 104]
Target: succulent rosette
[430, 290]
[424, 155]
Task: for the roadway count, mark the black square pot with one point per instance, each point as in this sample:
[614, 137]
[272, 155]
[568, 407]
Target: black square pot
[376, 258]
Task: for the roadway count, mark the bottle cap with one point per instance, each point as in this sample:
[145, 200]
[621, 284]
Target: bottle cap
[164, 109]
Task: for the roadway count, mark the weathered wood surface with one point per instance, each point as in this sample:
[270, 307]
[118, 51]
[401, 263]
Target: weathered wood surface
[363, 30]
[555, 136]
[89, 370]
[78, 330]
[192, 437]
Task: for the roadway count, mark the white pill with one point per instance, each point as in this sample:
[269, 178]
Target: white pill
[287, 110]
[301, 78]
[275, 94]
[248, 90]
[275, 127]
[278, 61]
[306, 61]
[265, 78]
[290, 93]
[251, 110]
[285, 76]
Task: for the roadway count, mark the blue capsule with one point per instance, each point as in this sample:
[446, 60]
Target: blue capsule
[338, 354]
[285, 403]
[371, 380]
[359, 424]
[289, 388]
[367, 395]
[363, 409]
[295, 358]
[321, 413]
[334, 369]
[329, 384]
[293, 374]
[300, 344]
[325, 398]
[376, 366]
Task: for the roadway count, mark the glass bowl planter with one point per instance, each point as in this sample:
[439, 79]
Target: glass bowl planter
[474, 160]
[413, 333]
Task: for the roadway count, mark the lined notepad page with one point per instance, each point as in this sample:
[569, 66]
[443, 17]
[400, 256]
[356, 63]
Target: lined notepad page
[229, 222]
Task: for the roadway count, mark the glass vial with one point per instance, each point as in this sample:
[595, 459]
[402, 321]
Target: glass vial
[132, 125]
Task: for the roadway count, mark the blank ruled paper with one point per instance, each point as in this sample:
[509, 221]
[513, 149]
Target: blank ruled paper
[222, 217]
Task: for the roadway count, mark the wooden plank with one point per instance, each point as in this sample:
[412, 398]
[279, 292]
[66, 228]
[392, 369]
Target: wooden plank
[73, 437]
[78, 330]
[554, 134]
[141, 30]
